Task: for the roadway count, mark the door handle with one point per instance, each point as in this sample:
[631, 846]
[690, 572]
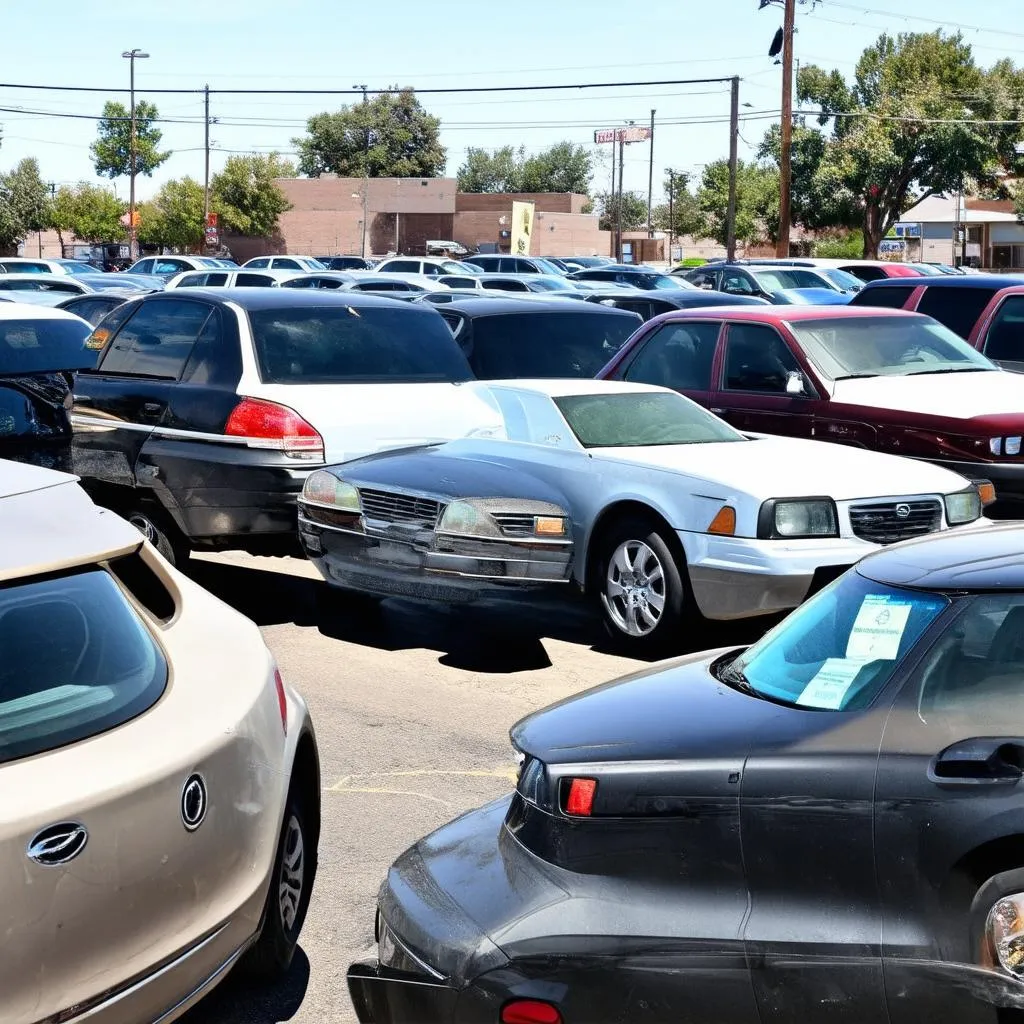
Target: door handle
[151, 407]
[719, 412]
[980, 760]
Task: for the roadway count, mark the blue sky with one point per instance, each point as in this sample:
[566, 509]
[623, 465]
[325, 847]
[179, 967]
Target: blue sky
[311, 44]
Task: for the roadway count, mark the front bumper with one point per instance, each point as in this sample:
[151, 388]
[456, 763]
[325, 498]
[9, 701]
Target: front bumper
[412, 561]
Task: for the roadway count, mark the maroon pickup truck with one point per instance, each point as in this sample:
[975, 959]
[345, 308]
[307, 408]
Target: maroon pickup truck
[882, 379]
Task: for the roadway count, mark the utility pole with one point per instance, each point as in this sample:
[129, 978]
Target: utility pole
[671, 218]
[734, 135]
[618, 205]
[650, 181]
[366, 172]
[206, 149]
[132, 56]
[785, 163]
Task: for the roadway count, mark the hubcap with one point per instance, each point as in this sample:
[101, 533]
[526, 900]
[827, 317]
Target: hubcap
[144, 526]
[293, 866]
[634, 589]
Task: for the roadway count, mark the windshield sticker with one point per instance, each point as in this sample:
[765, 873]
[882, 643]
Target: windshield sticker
[829, 687]
[878, 629]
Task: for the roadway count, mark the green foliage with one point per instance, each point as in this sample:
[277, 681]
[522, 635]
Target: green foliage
[686, 213]
[24, 203]
[634, 211]
[693, 261]
[920, 107]
[245, 195]
[563, 167]
[174, 218]
[88, 212]
[111, 152]
[390, 136]
[757, 201]
[847, 245]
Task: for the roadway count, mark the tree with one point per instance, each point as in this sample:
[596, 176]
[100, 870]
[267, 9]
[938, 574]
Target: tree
[687, 218]
[24, 203]
[88, 212]
[913, 124]
[245, 195]
[563, 167]
[112, 151]
[634, 211]
[174, 218]
[389, 136]
[757, 201]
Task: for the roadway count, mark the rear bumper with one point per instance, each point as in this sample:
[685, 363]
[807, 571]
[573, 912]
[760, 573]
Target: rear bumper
[380, 996]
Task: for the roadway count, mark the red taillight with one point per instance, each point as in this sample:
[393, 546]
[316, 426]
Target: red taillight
[530, 1011]
[580, 801]
[282, 700]
[269, 425]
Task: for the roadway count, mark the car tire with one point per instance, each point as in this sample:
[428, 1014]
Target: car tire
[166, 538]
[291, 885]
[640, 586]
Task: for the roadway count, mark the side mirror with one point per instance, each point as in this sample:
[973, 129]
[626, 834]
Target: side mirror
[795, 383]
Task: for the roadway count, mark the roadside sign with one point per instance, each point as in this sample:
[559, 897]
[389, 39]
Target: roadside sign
[212, 237]
[890, 246]
[633, 133]
[211, 220]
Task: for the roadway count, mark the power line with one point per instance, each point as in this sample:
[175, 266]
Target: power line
[862, 9]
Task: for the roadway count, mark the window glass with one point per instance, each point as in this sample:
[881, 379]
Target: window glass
[641, 418]
[213, 359]
[838, 650]
[757, 359]
[7, 285]
[883, 298]
[158, 339]
[451, 267]
[1005, 339]
[677, 356]
[88, 309]
[77, 662]
[262, 261]
[143, 267]
[25, 268]
[245, 280]
[170, 266]
[196, 280]
[285, 264]
[339, 344]
[957, 308]
[401, 267]
[43, 346]
[216, 280]
[643, 309]
[526, 267]
[774, 280]
[866, 273]
[703, 279]
[505, 284]
[736, 282]
[433, 270]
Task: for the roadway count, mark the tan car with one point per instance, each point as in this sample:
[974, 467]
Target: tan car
[160, 812]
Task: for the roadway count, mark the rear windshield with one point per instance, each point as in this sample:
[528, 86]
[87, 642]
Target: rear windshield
[544, 344]
[77, 661]
[353, 344]
[43, 346]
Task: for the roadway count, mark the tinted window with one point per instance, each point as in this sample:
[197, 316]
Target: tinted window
[865, 273]
[92, 310]
[508, 284]
[243, 280]
[157, 341]
[341, 344]
[525, 267]
[774, 280]
[547, 344]
[1005, 339]
[757, 359]
[38, 346]
[25, 268]
[216, 280]
[77, 661]
[164, 266]
[677, 356]
[643, 309]
[143, 267]
[401, 267]
[506, 265]
[736, 282]
[883, 298]
[215, 359]
[957, 308]
[702, 279]
[261, 261]
[433, 270]
[384, 286]
[196, 280]
[280, 264]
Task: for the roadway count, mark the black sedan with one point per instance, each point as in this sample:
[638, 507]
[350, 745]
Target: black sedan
[645, 278]
[95, 307]
[650, 304]
[826, 826]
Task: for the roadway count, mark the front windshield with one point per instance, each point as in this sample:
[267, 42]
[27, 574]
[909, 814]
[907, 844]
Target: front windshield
[842, 280]
[641, 418]
[548, 267]
[837, 651]
[777, 280]
[74, 267]
[551, 284]
[451, 267]
[845, 347]
[664, 283]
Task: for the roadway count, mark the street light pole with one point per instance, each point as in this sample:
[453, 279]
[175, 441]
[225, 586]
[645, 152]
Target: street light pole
[671, 218]
[366, 171]
[132, 56]
[785, 161]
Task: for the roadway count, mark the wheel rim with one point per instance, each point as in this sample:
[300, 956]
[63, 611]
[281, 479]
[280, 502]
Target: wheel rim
[144, 526]
[634, 589]
[293, 865]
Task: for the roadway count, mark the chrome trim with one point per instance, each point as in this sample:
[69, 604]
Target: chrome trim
[194, 785]
[69, 839]
[385, 927]
[533, 541]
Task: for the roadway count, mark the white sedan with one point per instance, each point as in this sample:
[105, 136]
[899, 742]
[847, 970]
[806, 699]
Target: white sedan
[630, 493]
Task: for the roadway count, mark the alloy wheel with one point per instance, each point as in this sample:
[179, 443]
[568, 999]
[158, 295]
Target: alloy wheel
[144, 526]
[634, 590]
[293, 865]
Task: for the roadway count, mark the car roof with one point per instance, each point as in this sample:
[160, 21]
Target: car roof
[30, 276]
[20, 311]
[980, 559]
[564, 387]
[251, 299]
[773, 314]
[952, 281]
[549, 302]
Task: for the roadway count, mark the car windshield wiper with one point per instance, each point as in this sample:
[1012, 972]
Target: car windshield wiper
[856, 376]
[734, 677]
[950, 369]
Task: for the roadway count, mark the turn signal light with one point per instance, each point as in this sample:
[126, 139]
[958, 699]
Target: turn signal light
[724, 522]
[282, 700]
[580, 801]
[530, 1011]
[269, 425]
[987, 493]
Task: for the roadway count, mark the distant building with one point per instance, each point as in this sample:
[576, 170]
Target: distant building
[994, 237]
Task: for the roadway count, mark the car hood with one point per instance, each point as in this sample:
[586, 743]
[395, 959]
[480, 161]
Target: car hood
[774, 467]
[960, 396]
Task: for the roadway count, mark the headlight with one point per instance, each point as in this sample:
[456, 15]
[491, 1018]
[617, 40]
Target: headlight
[1005, 933]
[323, 488]
[505, 518]
[963, 507]
[798, 517]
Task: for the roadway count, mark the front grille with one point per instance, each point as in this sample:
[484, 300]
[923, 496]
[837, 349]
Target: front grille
[514, 524]
[389, 507]
[884, 524]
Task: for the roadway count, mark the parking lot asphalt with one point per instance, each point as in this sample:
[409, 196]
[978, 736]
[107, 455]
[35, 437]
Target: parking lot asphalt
[412, 705]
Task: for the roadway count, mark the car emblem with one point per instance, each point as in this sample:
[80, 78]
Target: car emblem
[193, 802]
[58, 843]
[902, 511]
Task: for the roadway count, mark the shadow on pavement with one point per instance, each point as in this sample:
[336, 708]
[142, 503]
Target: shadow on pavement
[238, 1001]
[496, 636]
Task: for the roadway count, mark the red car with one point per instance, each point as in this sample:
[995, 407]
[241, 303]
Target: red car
[986, 309]
[882, 379]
